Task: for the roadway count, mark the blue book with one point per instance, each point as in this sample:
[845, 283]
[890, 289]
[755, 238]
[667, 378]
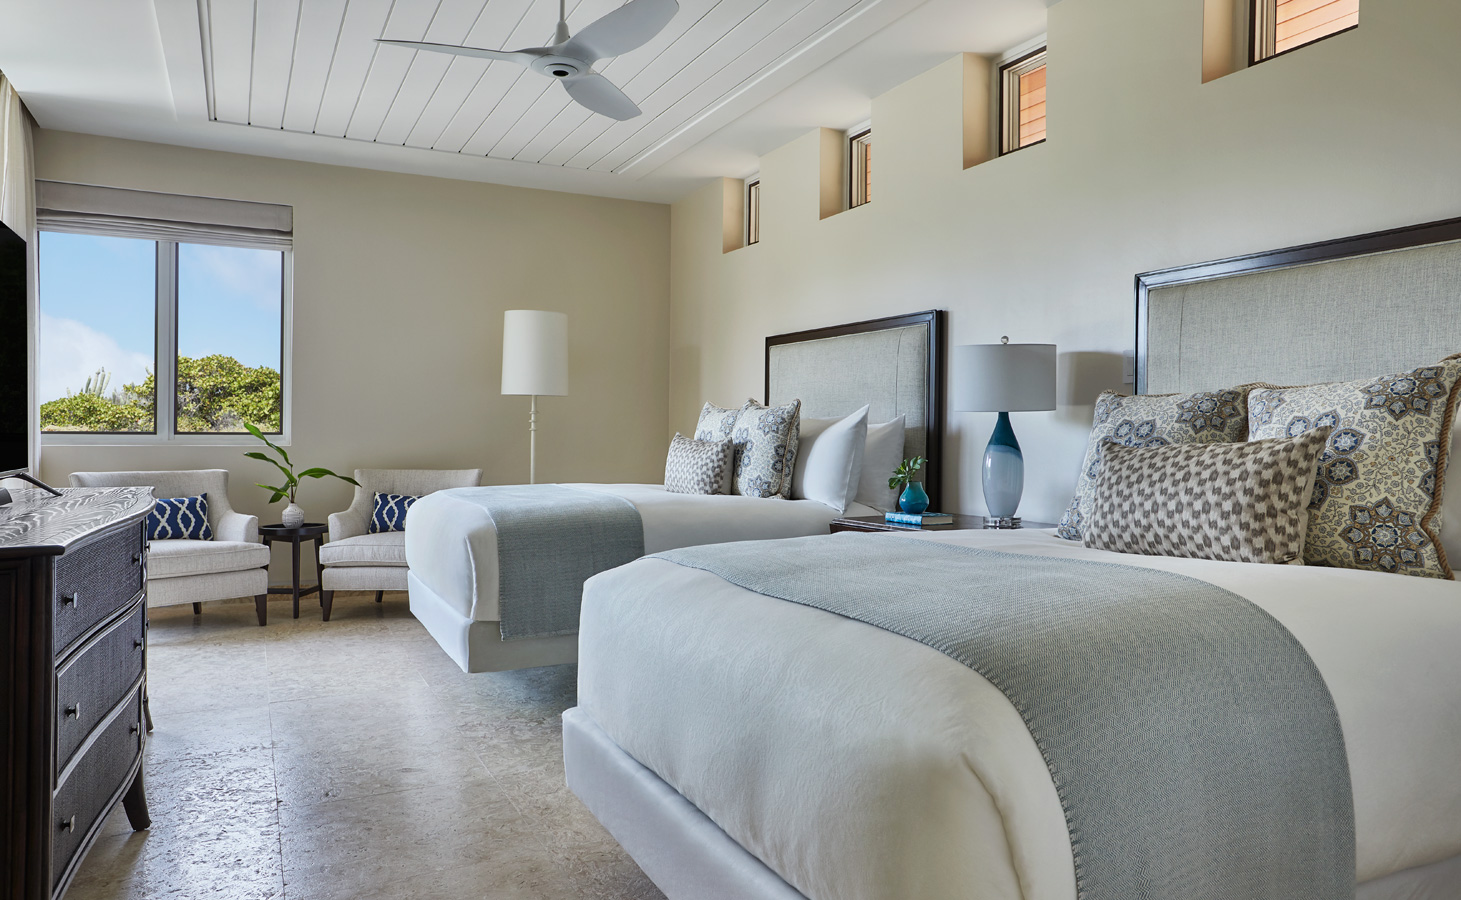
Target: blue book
[918, 519]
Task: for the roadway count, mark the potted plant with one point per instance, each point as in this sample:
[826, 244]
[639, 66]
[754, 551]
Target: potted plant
[293, 516]
[913, 498]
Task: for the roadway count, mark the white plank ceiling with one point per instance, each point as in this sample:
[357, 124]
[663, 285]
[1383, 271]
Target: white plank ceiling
[312, 66]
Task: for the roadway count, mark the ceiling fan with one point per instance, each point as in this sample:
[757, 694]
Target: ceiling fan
[571, 58]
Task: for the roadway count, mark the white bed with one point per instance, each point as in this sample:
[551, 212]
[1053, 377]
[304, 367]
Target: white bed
[855, 763]
[740, 746]
[452, 548]
[894, 366]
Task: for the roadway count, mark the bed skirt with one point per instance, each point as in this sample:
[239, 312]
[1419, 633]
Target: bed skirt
[689, 857]
[477, 646]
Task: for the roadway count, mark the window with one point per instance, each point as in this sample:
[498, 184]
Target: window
[1022, 102]
[159, 337]
[1283, 25]
[860, 168]
[753, 210]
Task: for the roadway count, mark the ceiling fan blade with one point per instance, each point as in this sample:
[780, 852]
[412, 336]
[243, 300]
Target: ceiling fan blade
[631, 25]
[599, 94]
[520, 57]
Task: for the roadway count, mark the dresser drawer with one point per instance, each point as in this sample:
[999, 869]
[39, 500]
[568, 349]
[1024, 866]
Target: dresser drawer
[90, 684]
[99, 775]
[96, 579]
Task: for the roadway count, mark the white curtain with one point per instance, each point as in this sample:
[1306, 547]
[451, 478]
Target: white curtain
[18, 211]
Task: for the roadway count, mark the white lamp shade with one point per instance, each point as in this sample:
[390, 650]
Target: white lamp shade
[535, 353]
[1003, 377]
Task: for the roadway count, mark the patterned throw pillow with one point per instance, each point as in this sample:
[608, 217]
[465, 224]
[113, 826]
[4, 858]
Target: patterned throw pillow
[1240, 502]
[1377, 496]
[698, 467]
[717, 423]
[766, 441]
[179, 519]
[1153, 420]
[388, 513]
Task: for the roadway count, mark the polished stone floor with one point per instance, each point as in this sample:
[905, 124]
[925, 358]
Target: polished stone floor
[349, 759]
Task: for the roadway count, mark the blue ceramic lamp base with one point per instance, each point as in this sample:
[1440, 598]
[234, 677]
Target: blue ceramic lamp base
[1003, 474]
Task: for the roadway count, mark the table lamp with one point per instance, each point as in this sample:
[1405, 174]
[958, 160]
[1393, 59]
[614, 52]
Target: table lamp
[534, 362]
[1003, 378]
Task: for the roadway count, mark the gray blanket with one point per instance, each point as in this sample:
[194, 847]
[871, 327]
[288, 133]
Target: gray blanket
[1194, 746]
[550, 540]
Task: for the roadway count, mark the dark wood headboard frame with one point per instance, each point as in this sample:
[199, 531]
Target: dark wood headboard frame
[933, 392]
[1324, 251]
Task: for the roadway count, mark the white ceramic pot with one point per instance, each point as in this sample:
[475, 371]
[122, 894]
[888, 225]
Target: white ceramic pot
[293, 516]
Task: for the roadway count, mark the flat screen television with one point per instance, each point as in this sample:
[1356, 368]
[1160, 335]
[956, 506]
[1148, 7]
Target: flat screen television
[15, 410]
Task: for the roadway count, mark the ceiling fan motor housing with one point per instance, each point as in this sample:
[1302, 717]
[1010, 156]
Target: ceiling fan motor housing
[559, 66]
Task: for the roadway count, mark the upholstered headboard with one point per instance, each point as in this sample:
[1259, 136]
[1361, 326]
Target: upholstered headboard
[1334, 311]
[893, 365]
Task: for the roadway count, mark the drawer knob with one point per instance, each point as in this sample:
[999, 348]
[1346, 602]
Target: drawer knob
[73, 712]
[133, 729]
[136, 559]
[72, 599]
[68, 824]
[136, 643]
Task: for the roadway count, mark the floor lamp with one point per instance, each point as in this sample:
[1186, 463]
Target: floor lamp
[535, 363]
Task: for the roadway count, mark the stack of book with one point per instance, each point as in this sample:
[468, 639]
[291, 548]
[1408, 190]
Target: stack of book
[917, 520]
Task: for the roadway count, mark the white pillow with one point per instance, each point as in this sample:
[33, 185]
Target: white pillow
[829, 460]
[1451, 504]
[883, 454]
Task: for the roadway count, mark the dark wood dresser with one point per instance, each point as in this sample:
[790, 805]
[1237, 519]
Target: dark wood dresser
[73, 666]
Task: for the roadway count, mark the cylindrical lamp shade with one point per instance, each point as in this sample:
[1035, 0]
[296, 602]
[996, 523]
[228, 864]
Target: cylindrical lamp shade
[1003, 377]
[535, 353]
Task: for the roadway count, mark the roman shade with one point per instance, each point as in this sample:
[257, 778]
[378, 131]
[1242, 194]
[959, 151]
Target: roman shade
[118, 212]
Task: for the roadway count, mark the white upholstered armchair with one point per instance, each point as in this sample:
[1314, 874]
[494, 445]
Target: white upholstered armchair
[356, 560]
[232, 564]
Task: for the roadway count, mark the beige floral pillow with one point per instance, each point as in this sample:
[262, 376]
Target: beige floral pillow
[766, 440]
[1377, 495]
[718, 423]
[1153, 420]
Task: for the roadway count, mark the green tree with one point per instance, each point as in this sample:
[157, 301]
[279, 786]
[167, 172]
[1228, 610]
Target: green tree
[215, 394]
[219, 393]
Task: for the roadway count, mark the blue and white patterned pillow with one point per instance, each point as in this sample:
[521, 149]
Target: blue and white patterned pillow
[179, 518]
[389, 512]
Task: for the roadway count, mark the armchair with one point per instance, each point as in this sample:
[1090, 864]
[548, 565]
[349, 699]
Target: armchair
[233, 564]
[356, 560]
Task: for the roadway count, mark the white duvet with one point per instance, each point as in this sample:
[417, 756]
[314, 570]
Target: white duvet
[860, 764]
[451, 545]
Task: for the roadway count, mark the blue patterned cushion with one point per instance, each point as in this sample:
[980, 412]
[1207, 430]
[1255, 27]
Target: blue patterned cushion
[179, 518]
[389, 513]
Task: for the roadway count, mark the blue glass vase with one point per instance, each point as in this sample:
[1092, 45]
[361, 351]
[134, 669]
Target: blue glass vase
[914, 498]
[1004, 470]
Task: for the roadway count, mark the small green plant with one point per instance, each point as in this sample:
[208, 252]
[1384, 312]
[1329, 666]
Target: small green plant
[290, 487]
[905, 472]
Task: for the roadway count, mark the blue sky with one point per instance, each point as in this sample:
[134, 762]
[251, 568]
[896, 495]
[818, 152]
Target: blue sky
[98, 308]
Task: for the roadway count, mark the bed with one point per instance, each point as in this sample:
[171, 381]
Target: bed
[741, 746]
[892, 365]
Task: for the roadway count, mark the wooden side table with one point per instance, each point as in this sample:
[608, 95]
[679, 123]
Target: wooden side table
[878, 523]
[309, 531]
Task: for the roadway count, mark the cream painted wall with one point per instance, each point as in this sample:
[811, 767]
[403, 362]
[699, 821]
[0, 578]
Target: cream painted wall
[399, 286]
[1146, 167]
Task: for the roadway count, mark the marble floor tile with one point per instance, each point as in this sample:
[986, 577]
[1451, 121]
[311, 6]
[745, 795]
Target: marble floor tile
[204, 732]
[225, 860]
[344, 847]
[314, 760]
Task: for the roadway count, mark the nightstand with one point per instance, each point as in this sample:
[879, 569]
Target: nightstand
[960, 523]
